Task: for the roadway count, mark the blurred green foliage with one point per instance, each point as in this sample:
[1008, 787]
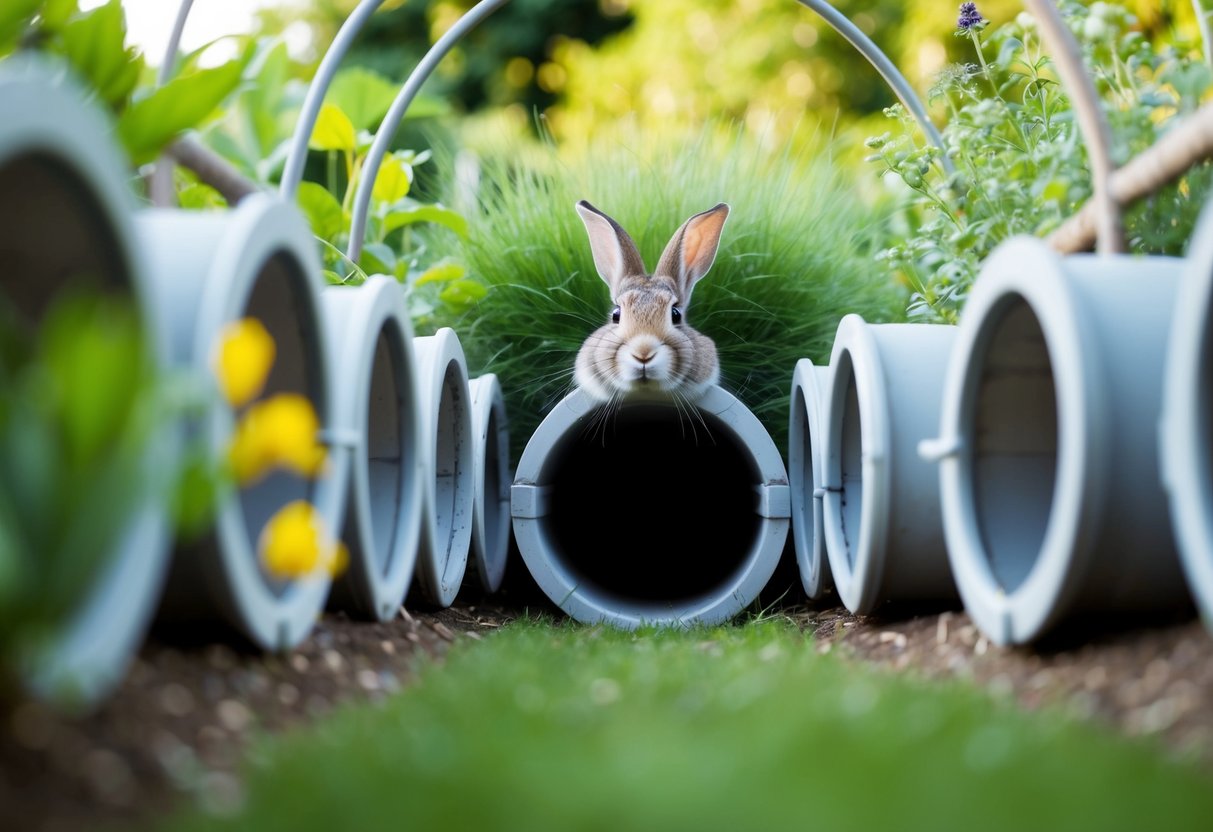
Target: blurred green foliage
[80, 406]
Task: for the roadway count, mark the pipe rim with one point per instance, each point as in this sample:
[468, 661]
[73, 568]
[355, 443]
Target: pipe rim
[855, 356]
[259, 229]
[89, 654]
[809, 382]
[1186, 417]
[443, 554]
[1024, 270]
[589, 605]
[490, 531]
[368, 315]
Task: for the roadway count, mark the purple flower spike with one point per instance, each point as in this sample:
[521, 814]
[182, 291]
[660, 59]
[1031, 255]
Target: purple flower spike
[969, 17]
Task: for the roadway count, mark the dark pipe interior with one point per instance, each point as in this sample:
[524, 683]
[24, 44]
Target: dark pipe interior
[388, 442]
[278, 300]
[53, 232]
[651, 504]
[1012, 419]
[851, 463]
[450, 475]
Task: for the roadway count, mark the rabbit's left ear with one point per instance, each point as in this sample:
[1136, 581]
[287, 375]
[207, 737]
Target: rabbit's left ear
[692, 250]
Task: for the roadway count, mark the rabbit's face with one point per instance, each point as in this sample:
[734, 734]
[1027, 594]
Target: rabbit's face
[646, 345]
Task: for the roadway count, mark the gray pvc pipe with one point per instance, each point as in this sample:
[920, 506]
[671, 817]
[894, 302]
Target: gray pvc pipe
[883, 532]
[65, 211]
[448, 469]
[650, 513]
[377, 419]
[1053, 504]
[209, 269]
[1184, 429]
[806, 476]
[491, 512]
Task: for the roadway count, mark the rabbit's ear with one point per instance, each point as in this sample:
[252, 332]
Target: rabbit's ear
[615, 255]
[690, 253]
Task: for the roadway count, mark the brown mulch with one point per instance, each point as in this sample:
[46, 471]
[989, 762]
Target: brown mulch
[177, 727]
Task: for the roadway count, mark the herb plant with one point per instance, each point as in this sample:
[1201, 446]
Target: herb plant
[1021, 165]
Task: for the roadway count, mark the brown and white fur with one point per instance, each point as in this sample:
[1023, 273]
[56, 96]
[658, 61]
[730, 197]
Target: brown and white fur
[647, 344]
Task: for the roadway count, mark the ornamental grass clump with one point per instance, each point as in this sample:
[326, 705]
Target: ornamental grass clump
[1021, 165]
[795, 256]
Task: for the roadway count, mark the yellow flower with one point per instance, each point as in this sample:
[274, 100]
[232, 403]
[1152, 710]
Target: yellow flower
[245, 355]
[295, 544]
[279, 432]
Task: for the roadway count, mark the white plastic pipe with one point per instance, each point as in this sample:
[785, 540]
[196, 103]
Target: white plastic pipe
[883, 532]
[650, 512]
[1185, 429]
[448, 468]
[377, 419]
[211, 268]
[806, 476]
[1053, 503]
[491, 513]
[65, 213]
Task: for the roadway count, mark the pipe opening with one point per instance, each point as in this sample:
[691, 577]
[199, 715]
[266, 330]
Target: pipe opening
[389, 445]
[800, 450]
[451, 477]
[1011, 414]
[850, 462]
[278, 300]
[496, 484]
[651, 504]
[53, 232]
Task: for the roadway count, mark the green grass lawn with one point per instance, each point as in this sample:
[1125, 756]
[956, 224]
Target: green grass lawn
[561, 727]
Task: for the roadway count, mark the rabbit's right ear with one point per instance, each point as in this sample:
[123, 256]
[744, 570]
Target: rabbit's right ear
[615, 254]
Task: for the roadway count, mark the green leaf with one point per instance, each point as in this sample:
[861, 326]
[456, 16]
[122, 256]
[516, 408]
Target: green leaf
[393, 180]
[198, 196]
[153, 122]
[94, 43]
[441, 273]
[333, 130]
[55, 13]
[364, 96]
[462, 293]
[15, 15]
[323, 211]
[261, 102]
[378, 258]
[401, 217]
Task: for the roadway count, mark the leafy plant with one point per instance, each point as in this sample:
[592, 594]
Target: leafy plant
[1021, 165]
[93, 45]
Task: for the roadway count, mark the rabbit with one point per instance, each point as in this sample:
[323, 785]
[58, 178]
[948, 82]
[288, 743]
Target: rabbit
[647, 345]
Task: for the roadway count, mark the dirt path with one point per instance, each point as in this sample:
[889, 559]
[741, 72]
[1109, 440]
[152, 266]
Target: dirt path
[177, 727]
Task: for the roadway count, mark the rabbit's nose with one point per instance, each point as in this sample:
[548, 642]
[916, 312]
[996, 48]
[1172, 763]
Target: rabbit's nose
[643, 356]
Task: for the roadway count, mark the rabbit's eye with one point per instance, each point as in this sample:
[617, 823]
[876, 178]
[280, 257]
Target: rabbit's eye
[615, 315]
[675, 314]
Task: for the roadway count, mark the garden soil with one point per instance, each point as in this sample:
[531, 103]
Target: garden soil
[175, 730]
